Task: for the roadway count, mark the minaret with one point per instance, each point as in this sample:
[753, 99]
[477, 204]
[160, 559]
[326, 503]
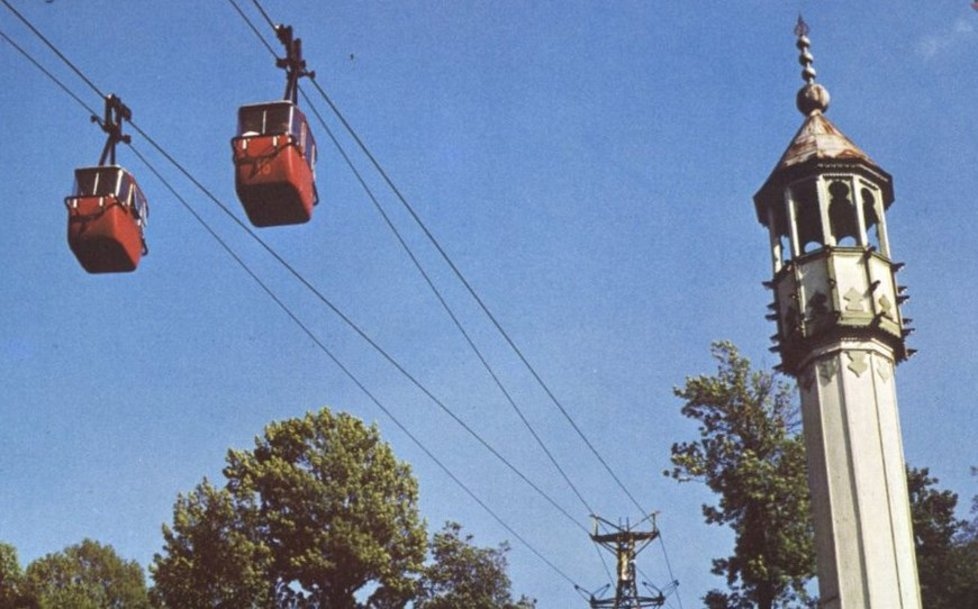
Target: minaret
[841, 333]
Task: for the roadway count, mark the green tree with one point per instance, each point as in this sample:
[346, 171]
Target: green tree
[86, 576]
[463, 575]
[317, 515]
[966, 540]
[213, 557]
[750, 454]
[934, 527]
[947, 547]
[11, 579]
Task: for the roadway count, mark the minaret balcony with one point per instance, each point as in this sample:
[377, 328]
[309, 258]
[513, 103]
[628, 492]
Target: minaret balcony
[834, 293]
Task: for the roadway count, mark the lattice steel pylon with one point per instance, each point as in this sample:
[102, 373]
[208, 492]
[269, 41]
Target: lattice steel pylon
[625, 542]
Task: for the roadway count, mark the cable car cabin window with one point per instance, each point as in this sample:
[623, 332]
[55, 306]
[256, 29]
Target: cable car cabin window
[125, 191]
[278, 118]
[139, 205]
[250, 121]
[97, 181]
[111, 181]
[307, 145]
[132, 197]
[265, 119]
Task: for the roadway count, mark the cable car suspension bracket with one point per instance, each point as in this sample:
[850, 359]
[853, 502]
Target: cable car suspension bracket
[293, 63]
[115, 113]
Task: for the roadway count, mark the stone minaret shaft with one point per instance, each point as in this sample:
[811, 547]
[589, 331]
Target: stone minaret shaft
[841, 333]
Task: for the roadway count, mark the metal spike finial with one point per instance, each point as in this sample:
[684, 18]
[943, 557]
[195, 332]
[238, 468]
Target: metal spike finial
[805, 58]
[812, 97]
[801, 28]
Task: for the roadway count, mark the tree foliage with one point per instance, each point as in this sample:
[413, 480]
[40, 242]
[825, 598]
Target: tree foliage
[751, 456]
[85, 576]
[11, 579]
[317, 515]
[463, 575]
[212, 557]
[947, 547]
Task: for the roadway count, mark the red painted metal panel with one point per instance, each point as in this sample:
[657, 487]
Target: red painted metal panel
[274, 182]
[103, 234]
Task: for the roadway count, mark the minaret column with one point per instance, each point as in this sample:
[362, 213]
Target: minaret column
[857, 477]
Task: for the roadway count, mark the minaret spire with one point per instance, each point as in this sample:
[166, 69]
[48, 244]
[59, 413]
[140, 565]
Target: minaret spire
[812, 97]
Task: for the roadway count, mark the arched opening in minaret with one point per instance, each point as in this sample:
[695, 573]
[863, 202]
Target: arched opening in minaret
[842, 215]
[808, 218]
[872, 218]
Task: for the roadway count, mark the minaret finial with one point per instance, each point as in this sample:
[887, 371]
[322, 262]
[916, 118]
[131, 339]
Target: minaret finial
[812, 97]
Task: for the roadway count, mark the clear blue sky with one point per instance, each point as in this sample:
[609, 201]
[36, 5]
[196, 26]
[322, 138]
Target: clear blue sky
[589, 166]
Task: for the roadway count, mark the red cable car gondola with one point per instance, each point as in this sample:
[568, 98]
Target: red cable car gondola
[274, 164]
[274, 151]
[107, 211]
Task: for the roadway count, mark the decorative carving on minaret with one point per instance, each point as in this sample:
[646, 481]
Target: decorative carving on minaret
[857, 362]
[854, 301]
[886, 307]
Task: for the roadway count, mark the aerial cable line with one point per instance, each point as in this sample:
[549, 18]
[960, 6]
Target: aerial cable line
[264, 14]
[297, 320]
[495, 322]
[417, 264]
[461, 277]
[420, 268]
[347, 372]
[51, 76]
[447, 307]
[338, 312]
[456, 321]
[54, 49]
[425, 275]
[254, 29]
[452, 315]
[91, 85]
[482, 305]
[353, 325]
